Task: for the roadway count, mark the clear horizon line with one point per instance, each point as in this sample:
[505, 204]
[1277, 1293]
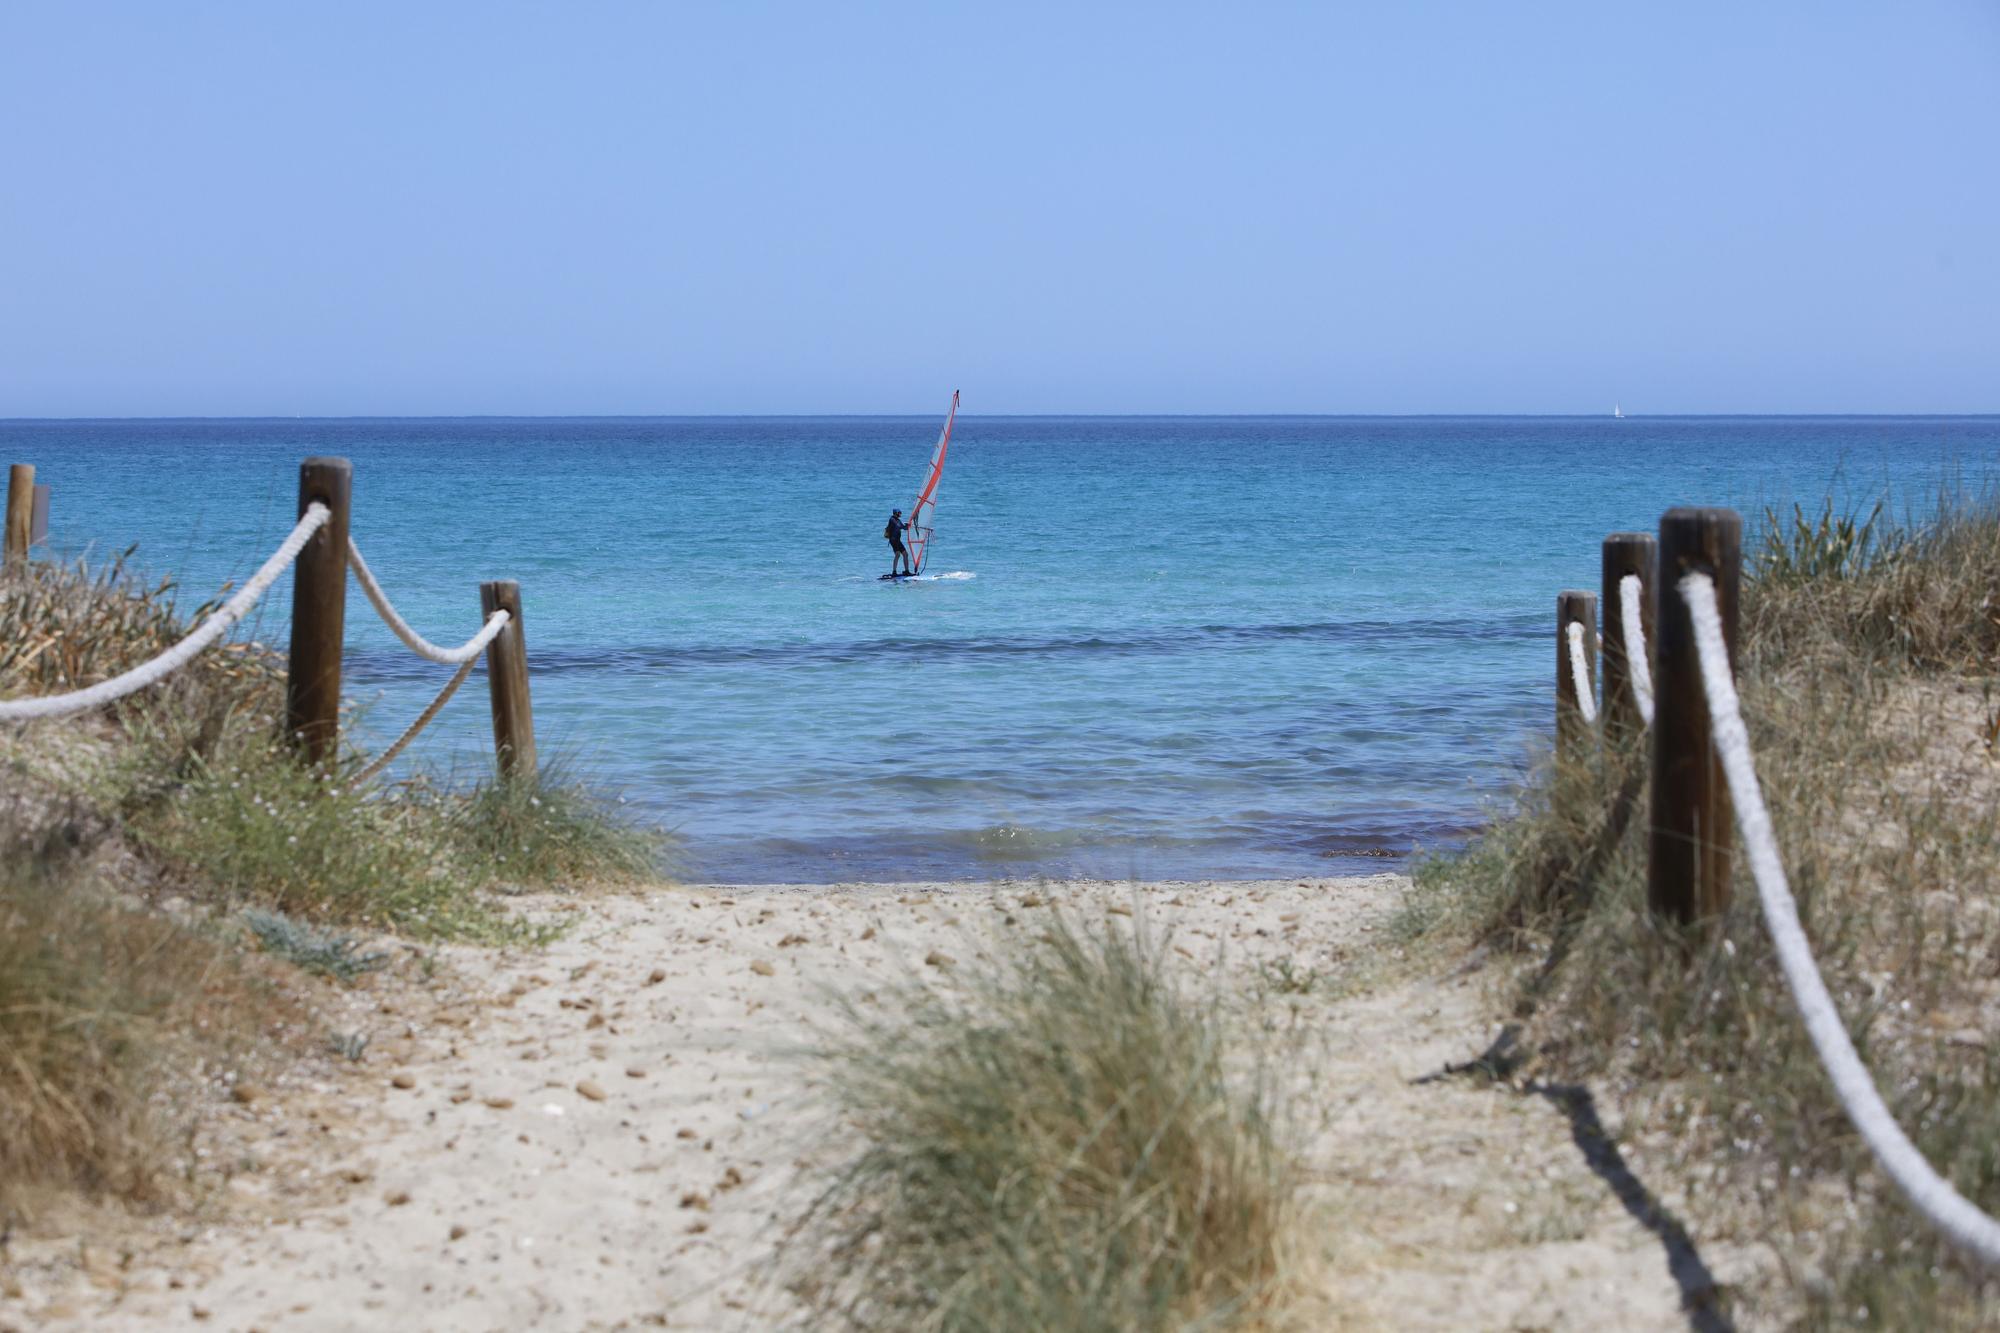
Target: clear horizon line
[1004, 416]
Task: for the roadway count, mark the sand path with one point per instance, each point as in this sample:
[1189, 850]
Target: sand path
[606, 1133]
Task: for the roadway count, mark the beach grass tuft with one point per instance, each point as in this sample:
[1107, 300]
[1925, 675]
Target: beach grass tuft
[555, 829]
[1066, 1136]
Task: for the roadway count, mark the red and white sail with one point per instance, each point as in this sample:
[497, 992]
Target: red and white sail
[925, 507]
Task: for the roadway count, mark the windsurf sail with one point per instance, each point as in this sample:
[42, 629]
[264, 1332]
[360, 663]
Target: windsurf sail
[925, 507]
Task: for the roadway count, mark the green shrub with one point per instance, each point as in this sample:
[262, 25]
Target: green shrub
[318, 951]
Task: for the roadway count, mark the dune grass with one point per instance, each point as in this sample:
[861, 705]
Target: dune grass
[1866, 679]
[223, 808]
[1067, 1137]
[103, 1007]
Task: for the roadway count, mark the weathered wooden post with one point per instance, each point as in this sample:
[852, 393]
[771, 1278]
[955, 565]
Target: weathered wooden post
[1625, 553]
[1572, 728]
[1687, 875]
[507, 676]
[20, 511]
[38, 524]
[319, 612]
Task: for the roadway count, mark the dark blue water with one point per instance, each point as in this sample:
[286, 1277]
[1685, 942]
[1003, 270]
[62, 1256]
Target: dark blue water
[1170, 647]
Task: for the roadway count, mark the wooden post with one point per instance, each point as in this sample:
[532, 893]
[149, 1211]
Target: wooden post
[1573, 607]
[1687, 875]
[38, 524]
[20, 511]
[319, 613]
[507, 676]
[1624, 553]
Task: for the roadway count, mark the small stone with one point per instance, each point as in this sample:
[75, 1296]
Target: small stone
[396, 1198]
[868, 934]
[500, 1103]
[696, 1227]
[461, 1096]
[695, 1199]
[656, 976]
[731, 1178]
[936, 959]
[457, 1232]
[791, 940]
[589, 1088]
[403, 1081]
[244, 1094]
[635, 1072]
[686, 1134]
[763, 969]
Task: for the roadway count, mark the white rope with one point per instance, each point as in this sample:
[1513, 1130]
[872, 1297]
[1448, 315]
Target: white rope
[416, 642]
[1930, 1193]
[1636, 663]
[1579, 673]
[494, 624]
[218, 624]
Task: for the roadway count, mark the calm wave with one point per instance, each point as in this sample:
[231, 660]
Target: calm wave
[1188, 647]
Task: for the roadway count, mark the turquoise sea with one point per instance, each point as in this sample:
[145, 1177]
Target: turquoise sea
[1169, 647]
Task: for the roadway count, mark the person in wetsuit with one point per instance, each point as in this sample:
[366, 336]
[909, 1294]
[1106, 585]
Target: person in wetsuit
[897, 552]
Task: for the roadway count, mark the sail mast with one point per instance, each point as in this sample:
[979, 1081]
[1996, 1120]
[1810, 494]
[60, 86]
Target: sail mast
[925, 505]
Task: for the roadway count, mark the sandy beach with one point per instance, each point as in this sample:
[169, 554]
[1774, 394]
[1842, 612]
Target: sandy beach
[612, 1132]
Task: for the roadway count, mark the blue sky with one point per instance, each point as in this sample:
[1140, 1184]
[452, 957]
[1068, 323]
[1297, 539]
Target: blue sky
[758, 207]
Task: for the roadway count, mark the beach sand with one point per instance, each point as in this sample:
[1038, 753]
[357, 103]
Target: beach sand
[610, 1133]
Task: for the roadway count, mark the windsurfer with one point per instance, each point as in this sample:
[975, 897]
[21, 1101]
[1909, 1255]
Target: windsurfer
[897, 553]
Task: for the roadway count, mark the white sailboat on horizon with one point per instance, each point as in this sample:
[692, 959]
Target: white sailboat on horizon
[1617, 412]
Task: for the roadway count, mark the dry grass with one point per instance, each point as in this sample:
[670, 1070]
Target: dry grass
[103, 1006]
[1865, 674]
[1069, 1138]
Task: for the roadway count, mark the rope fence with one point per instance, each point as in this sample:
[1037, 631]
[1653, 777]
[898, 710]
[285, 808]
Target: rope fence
[313, 667]
[1705, 781]
[178, 656]
[1632, 592]
[1579, 671]
[477, 644]
[1927, 1191]
[416, 642]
